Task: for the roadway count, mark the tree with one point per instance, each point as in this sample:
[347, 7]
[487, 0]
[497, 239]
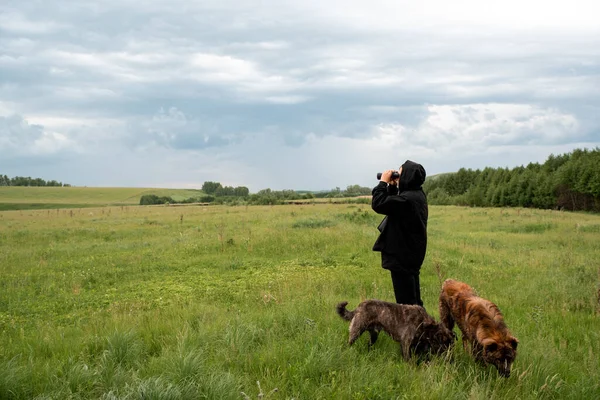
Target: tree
[210, 187]
[241, 191]
[543, 191]
[224, 191]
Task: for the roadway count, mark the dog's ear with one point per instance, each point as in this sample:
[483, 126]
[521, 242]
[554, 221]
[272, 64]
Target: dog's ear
[429, 325]
[445, 336]
[513, 342]
[490, 347]
[425, 327]
[427, 331]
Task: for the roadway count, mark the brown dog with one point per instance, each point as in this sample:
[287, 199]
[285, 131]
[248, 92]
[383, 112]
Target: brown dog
[410, 325]
[481, 323]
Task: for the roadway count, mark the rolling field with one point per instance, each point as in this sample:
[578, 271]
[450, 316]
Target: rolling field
[195, 302]
[33, 197]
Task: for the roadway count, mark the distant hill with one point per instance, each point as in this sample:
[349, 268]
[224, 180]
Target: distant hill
[35, 197]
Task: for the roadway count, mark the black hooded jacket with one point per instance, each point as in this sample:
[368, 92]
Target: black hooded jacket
[403, 236]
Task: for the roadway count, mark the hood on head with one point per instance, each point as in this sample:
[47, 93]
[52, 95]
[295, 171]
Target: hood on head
[413, 176]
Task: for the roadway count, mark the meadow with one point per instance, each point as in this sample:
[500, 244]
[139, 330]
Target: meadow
[164, 302]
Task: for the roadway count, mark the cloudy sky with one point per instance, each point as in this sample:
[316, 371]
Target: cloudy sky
[290, 94]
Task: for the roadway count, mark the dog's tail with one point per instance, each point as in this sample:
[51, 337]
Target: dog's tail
[341, 310]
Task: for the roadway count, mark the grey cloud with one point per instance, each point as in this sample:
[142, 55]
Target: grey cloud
[172, 128]
[16, 134]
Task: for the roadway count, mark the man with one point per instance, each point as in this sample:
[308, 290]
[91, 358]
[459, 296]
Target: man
[403, 238]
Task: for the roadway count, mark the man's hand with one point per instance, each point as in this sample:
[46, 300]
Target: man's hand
[386, 176]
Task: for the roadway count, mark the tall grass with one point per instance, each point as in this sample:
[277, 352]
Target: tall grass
[140, 302]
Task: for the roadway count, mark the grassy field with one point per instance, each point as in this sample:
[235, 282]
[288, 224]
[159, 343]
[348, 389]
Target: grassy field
[202, 302]
[33, 197]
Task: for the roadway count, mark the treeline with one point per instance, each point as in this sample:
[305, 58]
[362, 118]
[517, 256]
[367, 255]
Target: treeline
[28, 181]
[351, 191]
[214, 192]
[268, 196]
[570, 181]
[217, 194]
[218, 190]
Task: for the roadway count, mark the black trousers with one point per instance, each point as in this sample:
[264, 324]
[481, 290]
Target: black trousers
[407, 287]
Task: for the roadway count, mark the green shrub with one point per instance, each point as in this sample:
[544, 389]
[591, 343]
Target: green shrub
[313, 223]
[150, 199]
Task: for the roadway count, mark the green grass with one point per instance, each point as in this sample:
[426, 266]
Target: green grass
[202, 302]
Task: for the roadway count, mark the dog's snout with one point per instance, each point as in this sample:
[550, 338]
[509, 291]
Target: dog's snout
[504, 369]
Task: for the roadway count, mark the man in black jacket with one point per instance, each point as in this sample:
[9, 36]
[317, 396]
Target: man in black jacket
[403, 238]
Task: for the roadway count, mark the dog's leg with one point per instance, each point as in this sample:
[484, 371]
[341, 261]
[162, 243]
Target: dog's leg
[446, 315]
[356, 329]
[465, 343]
[406, 350]
[477, 352]
[374, 334]
[405, 345]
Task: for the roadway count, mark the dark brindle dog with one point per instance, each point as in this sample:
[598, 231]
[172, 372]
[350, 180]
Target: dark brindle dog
[410, 325]
[481, 323]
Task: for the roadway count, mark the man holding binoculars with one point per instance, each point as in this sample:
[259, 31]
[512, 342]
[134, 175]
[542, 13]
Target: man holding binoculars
[403, 232]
